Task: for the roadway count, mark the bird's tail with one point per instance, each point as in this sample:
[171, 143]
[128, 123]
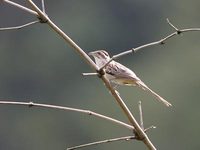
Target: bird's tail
[158, 97]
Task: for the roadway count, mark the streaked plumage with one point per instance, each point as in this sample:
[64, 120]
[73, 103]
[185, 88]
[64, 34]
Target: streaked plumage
[121, 75]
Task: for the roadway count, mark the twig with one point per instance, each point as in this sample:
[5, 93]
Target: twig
[126, 138]
[19, 27]
[88, 112]
[172, 25]
[151, 127]
[140, 133]
[161, 41]
[63, 35]
[43, 6]
[141, 115]
[20, 7]
[108, 140]
[90, 74]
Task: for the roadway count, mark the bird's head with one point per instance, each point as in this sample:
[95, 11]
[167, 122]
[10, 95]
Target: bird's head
[101, 57]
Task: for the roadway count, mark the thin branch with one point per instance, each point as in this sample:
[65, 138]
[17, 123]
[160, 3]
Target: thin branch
[172, 25]
[19, 27]
[141, 115]
[63, 35]
[43, 6]
[140, 133]
[20, 7]
[161, 41]
[126, 138]
[88, 112]
[90, 74]
[151, 127]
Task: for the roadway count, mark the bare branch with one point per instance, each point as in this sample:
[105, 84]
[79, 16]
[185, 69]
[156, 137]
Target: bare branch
[43, 6]
[161, 41]
[88, 112]
[64, 36]
[19, 27]
[90, 74]
[151, 127]
[172, 25]
[141, 115]
[20, 7]
[126, 138]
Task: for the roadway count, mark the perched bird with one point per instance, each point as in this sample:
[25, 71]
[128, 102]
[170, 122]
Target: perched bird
[121, 75]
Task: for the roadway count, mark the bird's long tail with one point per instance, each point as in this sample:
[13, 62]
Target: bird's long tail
[158, 97]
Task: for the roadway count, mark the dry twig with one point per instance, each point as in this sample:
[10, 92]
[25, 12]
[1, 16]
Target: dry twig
[141, 115]
[115, 139]
[126, 138]
[19, 27]
[43, 6]
[20, 7]
[88, 112]
[161, 41]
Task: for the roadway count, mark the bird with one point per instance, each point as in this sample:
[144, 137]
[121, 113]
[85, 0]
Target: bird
[121, 75]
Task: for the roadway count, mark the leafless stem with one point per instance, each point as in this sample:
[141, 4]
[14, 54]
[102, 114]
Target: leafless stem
[20, 7]
[141, 115]
[140, 133]
[171, 24]
[43, 6]
[88, 112]
[19, 27]
[161, 41]
[63, 35]
[126, 138]
[151, 127]
[90, 74]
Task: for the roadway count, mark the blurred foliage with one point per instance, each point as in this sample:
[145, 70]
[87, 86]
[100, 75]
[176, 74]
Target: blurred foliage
[37, 65]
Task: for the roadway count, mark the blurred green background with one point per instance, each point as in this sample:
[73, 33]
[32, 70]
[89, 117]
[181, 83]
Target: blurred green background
[37, 65]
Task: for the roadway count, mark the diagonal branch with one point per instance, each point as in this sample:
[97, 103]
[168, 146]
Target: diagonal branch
[20, 6]
[138, 131]
[43, 6]
[19, 27]
[88, 112]
[63, 35]
[141, 115]
[161, 41]
[173, 26]
[126, 138]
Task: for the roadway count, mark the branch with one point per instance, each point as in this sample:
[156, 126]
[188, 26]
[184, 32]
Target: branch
[88, 112]
[90, 74]
[126, 138]
[138, 131]
[63, 35]
[141, 115]
[43, 6]
[19, 27]
[161, 41]
[20, 7]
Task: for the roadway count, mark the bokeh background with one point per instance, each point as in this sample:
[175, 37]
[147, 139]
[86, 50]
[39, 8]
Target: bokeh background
[37, 65]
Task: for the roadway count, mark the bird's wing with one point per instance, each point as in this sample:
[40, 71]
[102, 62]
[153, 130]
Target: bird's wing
[120, 71]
